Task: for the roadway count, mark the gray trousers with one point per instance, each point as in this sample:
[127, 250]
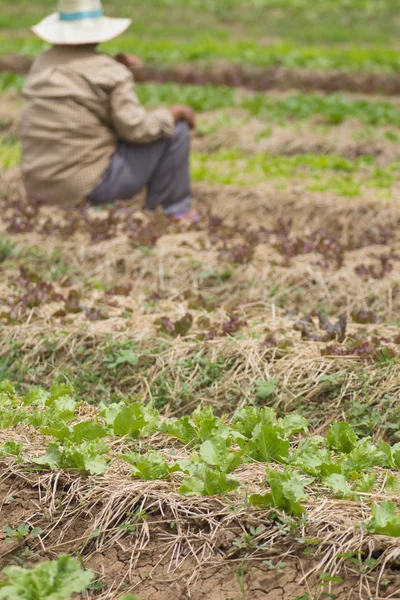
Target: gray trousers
[161, 166]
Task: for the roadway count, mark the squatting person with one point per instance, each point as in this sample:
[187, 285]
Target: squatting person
[85, 135]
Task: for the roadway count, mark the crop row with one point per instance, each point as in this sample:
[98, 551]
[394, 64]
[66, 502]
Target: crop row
[320, 172]
[334, 109]
[235, 167]
[323, 21]
[340, 462]
[245, 52]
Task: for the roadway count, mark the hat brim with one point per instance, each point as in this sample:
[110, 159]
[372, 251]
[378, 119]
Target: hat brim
[87, 31]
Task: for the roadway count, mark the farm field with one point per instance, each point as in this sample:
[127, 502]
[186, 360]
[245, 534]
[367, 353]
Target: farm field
[212, 411]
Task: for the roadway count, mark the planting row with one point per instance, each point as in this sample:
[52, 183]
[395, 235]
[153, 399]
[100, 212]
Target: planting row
[160, 51]
[322, 21]
[334, 108]
[299, 465]
[234, 167]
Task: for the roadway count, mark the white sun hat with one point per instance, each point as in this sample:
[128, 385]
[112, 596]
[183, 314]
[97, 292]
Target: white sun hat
[79, 22]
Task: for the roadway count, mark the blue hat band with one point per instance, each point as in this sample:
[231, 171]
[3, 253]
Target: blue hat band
[79, 16]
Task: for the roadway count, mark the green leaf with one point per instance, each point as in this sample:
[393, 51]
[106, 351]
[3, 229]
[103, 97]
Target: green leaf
[11, 449]
[148, 466]
[11, 417]
[385, 519]
[127, 357]
[262, 500]
[56, 580]
[208, 482]
[246, 419]
[59, 390]
[314, 458]
[7, 387]
[192, 486]
[266, 445]
[392, 454]
[110, 413]
[57, 429]
[364, 455]
[184, 430]
[36, 397]
[266, 389]
[341, 437]
[8, 396]
[129, 597]
[287, 493]
[338, 484]
[189, 466]
[23, 529]
[365, 482]
[393, 484]
[204, 425]
[209, 425]
[87, 457]
[95, 464]
[292, 424]
[51, 459]
[215, 452]
[87, 430]
[64, 407]
[136, 420]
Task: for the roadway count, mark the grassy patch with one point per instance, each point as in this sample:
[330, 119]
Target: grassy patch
[11, 81]
[226, 167]
[6, 249]
[10, 154]
[325, 171]
[118, 368]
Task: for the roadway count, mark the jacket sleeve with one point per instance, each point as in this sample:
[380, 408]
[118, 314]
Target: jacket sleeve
[132, 122]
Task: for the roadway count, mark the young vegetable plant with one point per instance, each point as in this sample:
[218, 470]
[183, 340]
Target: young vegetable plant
[136, 420]
[53, 580]
[385, 519]
[287, 492]
[21, 534]
[203, 426]
[215, 452]
[147, 467]
[204, 481]
[11, 449]
[86, 457]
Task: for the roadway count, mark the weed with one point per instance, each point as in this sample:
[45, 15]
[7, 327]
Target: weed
[6, 249]
[249, 540]
[21, 534]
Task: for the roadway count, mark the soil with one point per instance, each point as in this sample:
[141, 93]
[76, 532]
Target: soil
[155, 572]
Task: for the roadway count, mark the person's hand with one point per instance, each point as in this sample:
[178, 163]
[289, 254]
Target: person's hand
[129, 61]
[181, 112]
